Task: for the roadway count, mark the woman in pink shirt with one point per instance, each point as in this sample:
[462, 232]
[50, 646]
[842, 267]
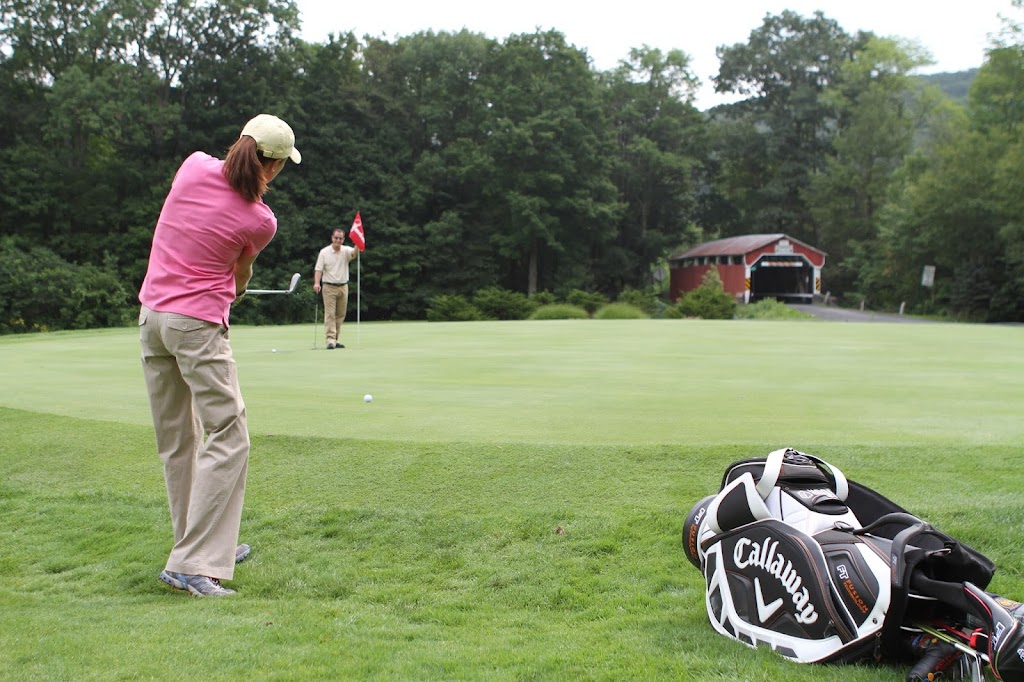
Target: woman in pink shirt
[212, 226]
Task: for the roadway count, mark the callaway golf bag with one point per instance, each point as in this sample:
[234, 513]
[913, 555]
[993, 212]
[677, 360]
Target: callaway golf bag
[821, 569]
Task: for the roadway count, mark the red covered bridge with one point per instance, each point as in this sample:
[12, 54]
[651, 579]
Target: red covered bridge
[752, 267]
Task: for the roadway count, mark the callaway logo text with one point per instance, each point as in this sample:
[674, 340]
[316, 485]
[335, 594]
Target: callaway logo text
[765, 556]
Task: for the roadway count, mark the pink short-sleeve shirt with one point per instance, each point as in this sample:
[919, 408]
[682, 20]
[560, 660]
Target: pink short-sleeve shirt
[204, 228]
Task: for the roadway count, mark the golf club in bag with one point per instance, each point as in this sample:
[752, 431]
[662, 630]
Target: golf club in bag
[799, 558]
[291, 288]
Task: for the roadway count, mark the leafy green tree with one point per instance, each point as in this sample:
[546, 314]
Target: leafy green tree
[996, 105]
[116, 81]
[40, 291]
[550, 204]
[510, 165]
[880, 106]
[994, 96]
[958, 205]
[785, 68]
[332, 127]
[83, 159]
[239, 61]
[997, 113]
[45, 39]
[952, 222]
[659, 146]
[434, 167]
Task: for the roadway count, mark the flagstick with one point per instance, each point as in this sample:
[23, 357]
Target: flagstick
[357, 227]
[359, 286]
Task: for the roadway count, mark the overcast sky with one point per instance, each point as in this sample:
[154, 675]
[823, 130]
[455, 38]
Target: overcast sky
[955, 32]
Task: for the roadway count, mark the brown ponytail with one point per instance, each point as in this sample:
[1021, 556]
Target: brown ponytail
[245, 170]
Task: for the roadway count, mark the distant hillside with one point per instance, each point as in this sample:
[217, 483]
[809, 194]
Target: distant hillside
[954, 84]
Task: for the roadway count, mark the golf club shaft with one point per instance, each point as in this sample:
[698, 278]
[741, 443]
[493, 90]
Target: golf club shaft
[291, 287]
[946, 637]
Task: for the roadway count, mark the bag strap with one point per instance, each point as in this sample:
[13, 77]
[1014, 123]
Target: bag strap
[773, 471]
[737, 505]
[904, 557]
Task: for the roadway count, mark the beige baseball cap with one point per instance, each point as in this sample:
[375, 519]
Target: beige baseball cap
[274, 138]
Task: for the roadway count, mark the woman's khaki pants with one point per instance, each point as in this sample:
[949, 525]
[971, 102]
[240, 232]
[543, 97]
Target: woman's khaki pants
[193, 389]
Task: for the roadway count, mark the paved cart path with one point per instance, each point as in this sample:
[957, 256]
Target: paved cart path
[849, 315]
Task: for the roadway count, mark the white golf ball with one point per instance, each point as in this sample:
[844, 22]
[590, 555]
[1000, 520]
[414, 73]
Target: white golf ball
[273, 350]
[367, 398]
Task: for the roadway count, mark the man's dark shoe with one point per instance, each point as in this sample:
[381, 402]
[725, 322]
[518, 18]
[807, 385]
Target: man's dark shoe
[330, 346]
[242, 552]
[340, 345]
[199, 585]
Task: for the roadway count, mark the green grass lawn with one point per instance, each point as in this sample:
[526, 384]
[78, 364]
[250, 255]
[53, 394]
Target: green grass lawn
[508, 507]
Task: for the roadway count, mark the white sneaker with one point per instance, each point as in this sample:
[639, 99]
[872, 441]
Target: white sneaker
[199, 585]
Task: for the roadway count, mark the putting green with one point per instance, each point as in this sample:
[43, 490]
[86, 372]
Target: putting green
[795, 383]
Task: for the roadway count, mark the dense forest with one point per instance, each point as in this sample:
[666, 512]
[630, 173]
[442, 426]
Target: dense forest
[512, 163]
[954, 85]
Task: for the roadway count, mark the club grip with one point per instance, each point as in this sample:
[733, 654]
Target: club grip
[936, 659]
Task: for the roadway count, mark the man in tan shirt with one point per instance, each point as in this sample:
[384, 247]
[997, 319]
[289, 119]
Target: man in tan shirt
[330, 277]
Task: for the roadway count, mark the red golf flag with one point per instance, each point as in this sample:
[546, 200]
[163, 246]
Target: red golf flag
[356, 233]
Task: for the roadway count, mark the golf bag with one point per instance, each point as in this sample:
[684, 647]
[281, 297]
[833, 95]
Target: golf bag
[821, 569]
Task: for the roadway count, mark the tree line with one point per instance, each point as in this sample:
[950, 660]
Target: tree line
[479, 162]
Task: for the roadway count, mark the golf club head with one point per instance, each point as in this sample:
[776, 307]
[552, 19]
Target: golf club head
[1005, 635]
[291, 287]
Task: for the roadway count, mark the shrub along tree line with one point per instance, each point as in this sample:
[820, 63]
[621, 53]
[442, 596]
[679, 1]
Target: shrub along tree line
[499, 164]
[709, 301]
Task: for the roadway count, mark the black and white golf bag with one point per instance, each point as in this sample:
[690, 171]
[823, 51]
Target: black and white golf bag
[821, 569]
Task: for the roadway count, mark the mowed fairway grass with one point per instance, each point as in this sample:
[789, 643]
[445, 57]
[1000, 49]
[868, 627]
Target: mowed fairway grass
[508, 507]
